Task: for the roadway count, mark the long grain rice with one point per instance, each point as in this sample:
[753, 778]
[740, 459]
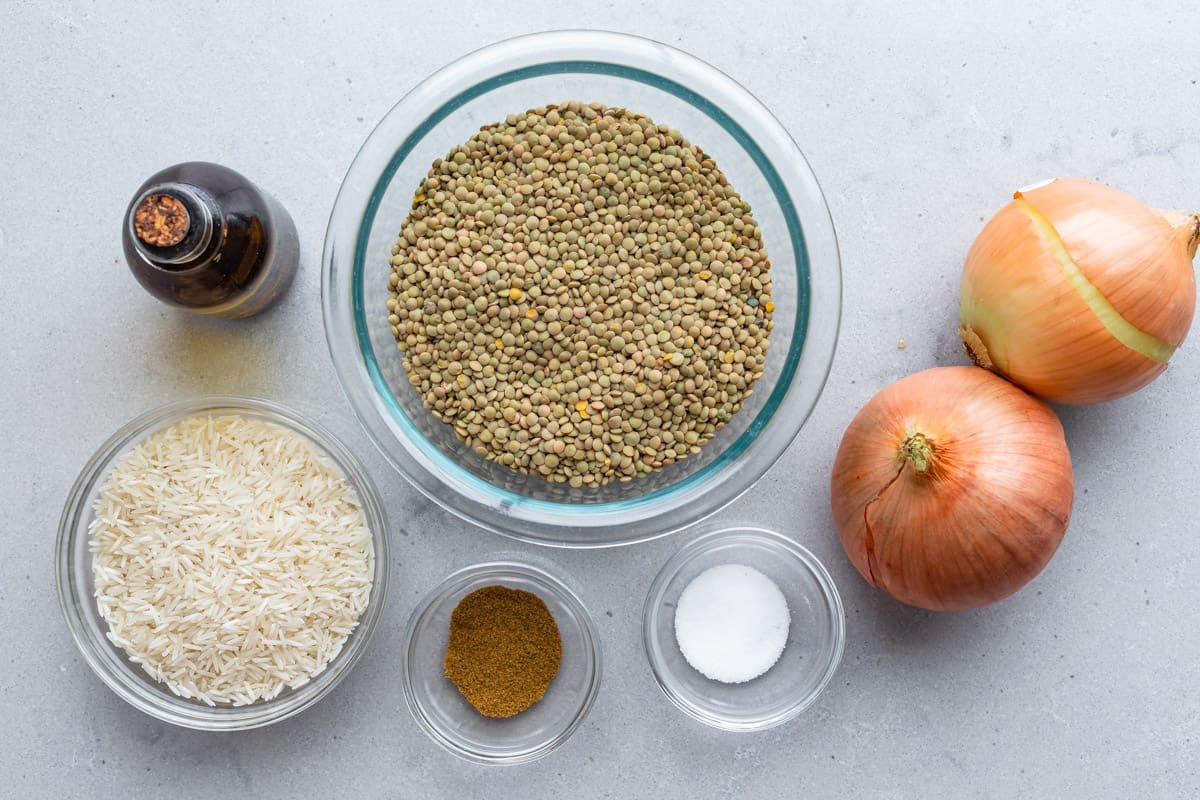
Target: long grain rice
[231, 558]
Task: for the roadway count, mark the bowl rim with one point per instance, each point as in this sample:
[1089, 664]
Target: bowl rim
[446, 589]
[796, 190]
[142, 692]
[704, 543]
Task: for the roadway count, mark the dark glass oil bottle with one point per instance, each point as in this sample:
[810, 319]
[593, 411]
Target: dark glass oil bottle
[203, 238]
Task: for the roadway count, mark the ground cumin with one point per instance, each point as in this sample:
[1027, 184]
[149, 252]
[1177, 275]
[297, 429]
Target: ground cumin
[504, 650]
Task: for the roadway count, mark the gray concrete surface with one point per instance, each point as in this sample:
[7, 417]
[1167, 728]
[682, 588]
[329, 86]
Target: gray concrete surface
[919, 121]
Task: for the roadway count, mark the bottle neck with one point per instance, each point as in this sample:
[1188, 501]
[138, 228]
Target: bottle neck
[171, 224]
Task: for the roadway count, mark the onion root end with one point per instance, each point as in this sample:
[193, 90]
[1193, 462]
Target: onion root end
[974, 347]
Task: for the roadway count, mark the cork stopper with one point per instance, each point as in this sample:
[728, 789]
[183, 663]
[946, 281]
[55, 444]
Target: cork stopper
[161, 220]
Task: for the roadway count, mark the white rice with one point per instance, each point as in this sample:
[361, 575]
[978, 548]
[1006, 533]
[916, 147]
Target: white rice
[231, 558]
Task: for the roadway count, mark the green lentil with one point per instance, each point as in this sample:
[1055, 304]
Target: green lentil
[580, 294]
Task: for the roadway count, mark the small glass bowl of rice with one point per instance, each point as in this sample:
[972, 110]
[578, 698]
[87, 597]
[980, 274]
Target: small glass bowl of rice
[478, 314]
[222, 563]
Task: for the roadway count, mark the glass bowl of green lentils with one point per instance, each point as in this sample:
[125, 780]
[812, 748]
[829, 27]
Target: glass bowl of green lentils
[581, 288]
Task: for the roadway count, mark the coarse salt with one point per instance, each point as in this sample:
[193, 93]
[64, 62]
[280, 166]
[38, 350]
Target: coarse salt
[731, 623]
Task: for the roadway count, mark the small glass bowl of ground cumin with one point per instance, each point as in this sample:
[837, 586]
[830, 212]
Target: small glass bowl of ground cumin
[581, 288]
[708, 565]
[501, 663]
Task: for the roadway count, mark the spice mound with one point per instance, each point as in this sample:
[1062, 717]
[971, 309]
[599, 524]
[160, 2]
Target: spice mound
[731, 623]
[231, 559]
[504, 650]
[581, 294]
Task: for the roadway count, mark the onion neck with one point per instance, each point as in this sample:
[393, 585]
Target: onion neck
[917, 450]
[1186, 228]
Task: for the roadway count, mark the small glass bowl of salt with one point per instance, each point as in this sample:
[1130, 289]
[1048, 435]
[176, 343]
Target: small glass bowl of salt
[743, 628]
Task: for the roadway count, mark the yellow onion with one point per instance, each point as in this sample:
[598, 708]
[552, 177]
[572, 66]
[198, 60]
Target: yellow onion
[952, 488]
[1078, 292]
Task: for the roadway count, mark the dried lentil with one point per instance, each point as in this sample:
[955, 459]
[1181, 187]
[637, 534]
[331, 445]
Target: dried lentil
[559, 250]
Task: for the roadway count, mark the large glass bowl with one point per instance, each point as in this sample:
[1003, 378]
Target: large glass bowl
[761, 162]
[76, 586]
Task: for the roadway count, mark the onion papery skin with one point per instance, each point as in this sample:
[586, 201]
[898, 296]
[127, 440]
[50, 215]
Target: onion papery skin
[1023, 315]
[988, 511]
